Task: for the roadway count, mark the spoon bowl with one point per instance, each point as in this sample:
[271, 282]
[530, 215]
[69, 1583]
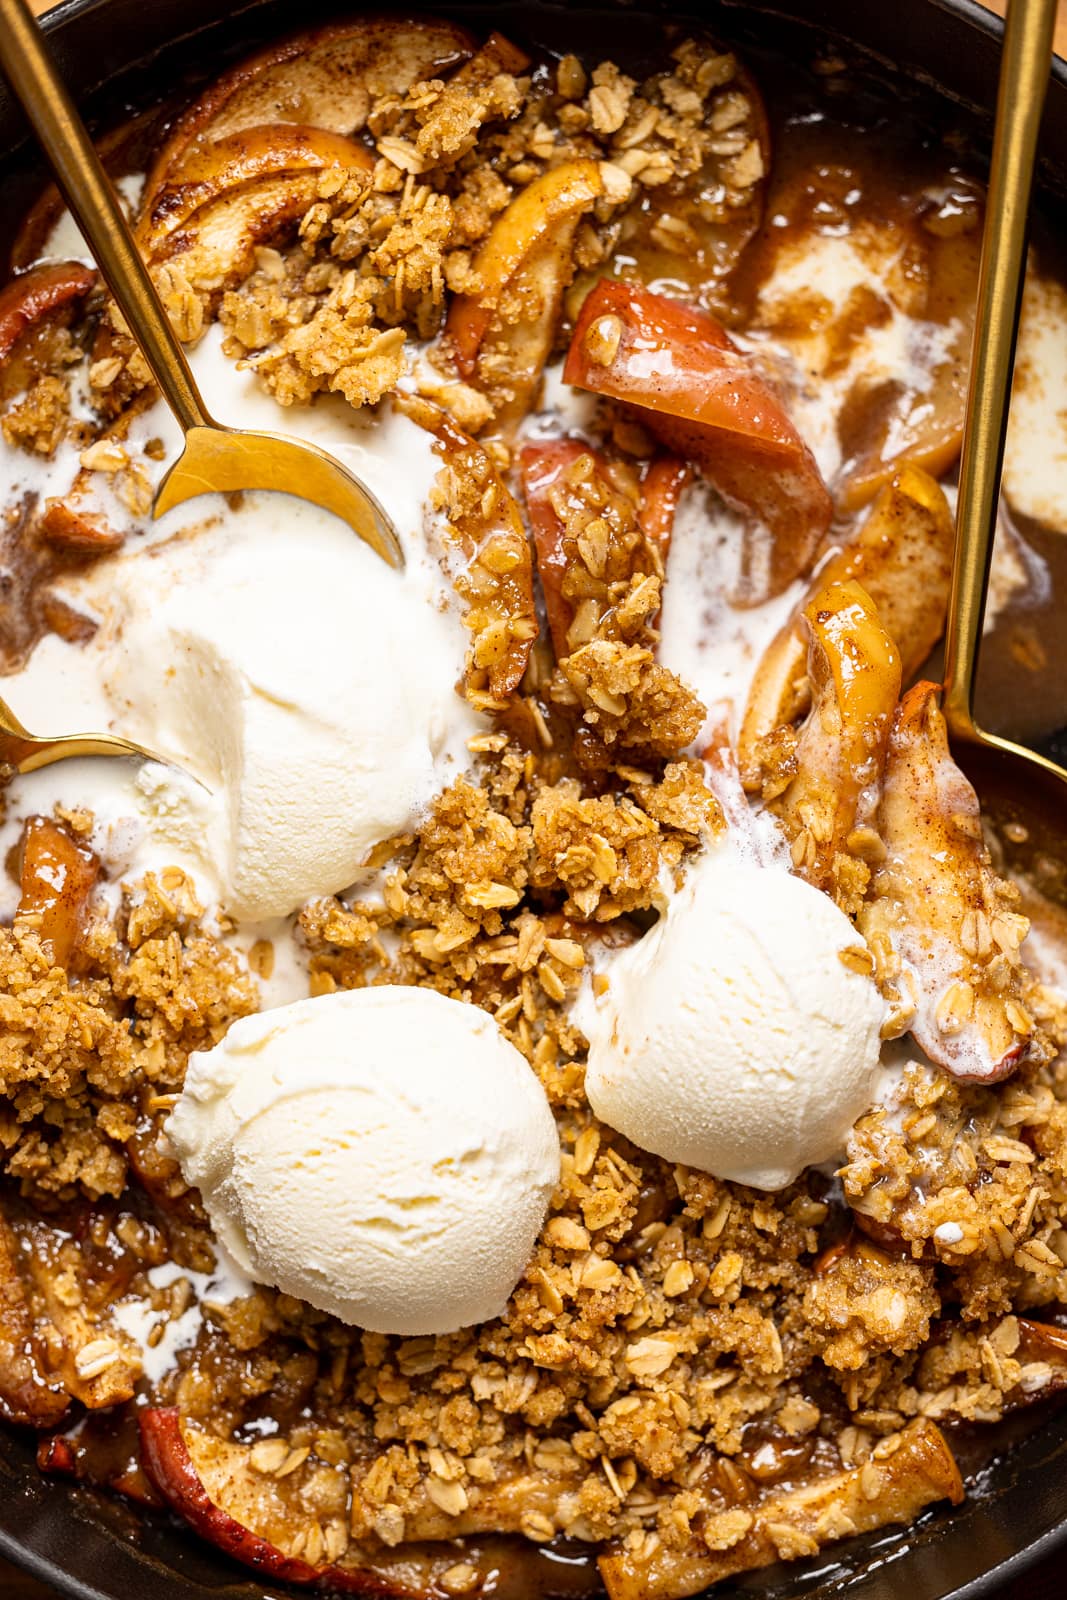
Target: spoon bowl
[227, 460]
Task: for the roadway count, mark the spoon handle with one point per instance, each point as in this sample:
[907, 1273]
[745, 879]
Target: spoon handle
[1024, 74]
[94, 205]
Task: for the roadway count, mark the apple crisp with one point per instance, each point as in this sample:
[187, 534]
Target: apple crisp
[694, 1377]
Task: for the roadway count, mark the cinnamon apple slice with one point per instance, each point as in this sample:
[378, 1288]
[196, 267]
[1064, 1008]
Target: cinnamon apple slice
[323, 79]
[241, 165]
[30, 303]
[500, 336]
[902, 556]
[38, 293]
[543, 467]
[213, 1486]
[28, 1396]
[939, 907]
[661, 490]
[241, 192]
[707, 402]
[912, 1469]
[237, 164]
[877, 310]
[57, 878]
[854, 671]
[568, 484]
[920, 421]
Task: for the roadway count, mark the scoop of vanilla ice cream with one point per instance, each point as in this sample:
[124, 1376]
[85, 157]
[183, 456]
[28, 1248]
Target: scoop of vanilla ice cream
[731, 1037]
[383, 1153]
[309, 686]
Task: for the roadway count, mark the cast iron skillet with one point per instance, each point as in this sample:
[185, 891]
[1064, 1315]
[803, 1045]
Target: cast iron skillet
[124, 54]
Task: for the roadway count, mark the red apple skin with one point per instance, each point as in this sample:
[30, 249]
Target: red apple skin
[166, 1459]
[540, 466]
[36, 294]
[55, 1455]
[705, 400]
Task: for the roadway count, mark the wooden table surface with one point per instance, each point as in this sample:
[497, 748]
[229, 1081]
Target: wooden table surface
[1047, 1583]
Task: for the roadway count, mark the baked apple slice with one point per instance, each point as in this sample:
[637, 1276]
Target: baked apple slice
[234, 1496]
[29, 305]
[704, 398]
[908, 1471]
[887, 422]
[878, 314]
[591, 531]
[322, 79]
[57, 878]
[39, 293]
[661, 489]
[236, 1499]
[501, 335]
[902, 556]
[28, 1396]
[854, 672]
[241, 192]
[242, 164]
[543, 468]
[237, 164]
[214, 1487]
[96, 1362]
[939, 907]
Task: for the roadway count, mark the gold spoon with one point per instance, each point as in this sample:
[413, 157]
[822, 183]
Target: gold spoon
[25, 751]
[1024, 793]
[215, 458]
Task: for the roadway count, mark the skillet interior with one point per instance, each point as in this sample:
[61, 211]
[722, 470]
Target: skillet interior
[120, 55]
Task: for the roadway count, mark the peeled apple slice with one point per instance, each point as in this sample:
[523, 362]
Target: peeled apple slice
[241, 165]
[323, 79]
[938, 904]
[902, 555]
[501, 336]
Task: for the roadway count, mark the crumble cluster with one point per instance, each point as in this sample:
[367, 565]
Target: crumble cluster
[379, 249]
[666, 1318]
[83, 1054]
